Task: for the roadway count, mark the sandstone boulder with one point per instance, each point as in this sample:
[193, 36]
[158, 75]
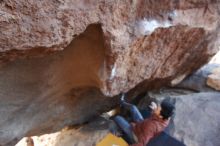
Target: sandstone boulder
[196, 120]
[195, 123]
[87, 135]
[43, 95]
[145, 40]
[200, 80]
[213, 79]
[108, 47]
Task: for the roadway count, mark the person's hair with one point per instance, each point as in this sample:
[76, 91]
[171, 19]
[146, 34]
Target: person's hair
[167, 109]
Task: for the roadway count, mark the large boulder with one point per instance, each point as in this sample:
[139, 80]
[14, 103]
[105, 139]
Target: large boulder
[213, 79]
[203, 80]
[86, 135]
[108, 47]
[195, 123]
[196, 120]
[42, 95]
[145, 40]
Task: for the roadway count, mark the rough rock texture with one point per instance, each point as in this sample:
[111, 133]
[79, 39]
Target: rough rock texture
[126, 42]
[87, 135]
[42, 95]
[196, 122]
[144, 39]
[198, 80]
[213, 79]
[197, 118]
[216, 58]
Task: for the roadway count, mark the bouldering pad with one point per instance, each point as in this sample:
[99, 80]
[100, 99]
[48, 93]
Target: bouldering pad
[164, 140]
[112, 140]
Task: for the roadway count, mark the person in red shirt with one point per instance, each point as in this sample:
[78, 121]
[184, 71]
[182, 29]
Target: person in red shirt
[142, 130]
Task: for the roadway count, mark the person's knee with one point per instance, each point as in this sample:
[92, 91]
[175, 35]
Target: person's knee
[134, 108]
[118, 119]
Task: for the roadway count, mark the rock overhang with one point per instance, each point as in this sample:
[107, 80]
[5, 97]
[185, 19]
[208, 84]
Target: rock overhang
[140, 45]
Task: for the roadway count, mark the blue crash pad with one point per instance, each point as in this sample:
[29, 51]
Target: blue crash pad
[164, 140]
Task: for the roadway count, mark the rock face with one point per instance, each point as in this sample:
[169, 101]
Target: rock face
[108, 47]
[196, 122]
[42, 95]
[87, 135]
[213, 79]
[200, 80]
[197, 118]
[145, 40]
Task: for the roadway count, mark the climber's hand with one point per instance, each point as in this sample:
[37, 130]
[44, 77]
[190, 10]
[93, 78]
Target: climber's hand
[153, 106]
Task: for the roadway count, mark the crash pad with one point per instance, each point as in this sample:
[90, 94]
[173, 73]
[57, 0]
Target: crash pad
[165, 140]
[112, 140]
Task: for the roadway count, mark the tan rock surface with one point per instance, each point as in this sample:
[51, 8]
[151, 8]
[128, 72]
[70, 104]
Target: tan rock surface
[213, 79]
[196, 119]
[144, 39]
[198, 80]
[193, 110]
[110, 47]
[87, 135]
[43, 95]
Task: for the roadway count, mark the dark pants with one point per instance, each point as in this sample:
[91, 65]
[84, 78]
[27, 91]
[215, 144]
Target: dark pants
[124, 125]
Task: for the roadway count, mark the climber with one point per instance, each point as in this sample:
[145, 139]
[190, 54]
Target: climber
[142, 130]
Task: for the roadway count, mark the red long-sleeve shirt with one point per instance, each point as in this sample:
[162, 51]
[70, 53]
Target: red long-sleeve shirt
[148, 129]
